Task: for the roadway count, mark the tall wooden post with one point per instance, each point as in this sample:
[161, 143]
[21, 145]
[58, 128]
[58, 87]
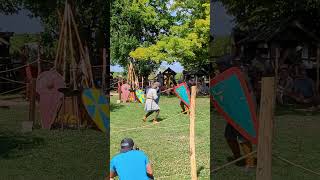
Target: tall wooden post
[266, 129]
[32, 102]
[39, 60]
[119, 90]
[318, 66]
[276, 69]
[192, 134]
[104, 62]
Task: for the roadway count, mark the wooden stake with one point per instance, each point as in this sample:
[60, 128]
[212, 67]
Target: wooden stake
[56, 62]
[192, 134]
[276, 69]
[32, 102]
[119, 89]
[265, 129]
[38, 59]
[318, 73]
[65, 43]
[104, 62]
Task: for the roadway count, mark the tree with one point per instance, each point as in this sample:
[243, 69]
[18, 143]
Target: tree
[9, 7]
[186, 42]
[92, 19]
[134, 23]
[254, 14]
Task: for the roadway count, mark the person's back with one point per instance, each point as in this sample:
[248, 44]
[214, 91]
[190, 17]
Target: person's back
[131, 165]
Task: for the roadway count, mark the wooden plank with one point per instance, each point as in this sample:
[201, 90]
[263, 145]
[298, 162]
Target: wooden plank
[265, 129]
[192, 133]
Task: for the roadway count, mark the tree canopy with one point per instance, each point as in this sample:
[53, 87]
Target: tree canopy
[253, 14]
[134, 23]
[187, 39]
[92, 18]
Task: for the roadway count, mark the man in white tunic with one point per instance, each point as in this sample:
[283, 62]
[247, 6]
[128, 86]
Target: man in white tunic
[152, 102]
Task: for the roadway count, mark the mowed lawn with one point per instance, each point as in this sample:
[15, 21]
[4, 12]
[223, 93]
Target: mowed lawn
[296, 138]
[50, 155]
[167, 143]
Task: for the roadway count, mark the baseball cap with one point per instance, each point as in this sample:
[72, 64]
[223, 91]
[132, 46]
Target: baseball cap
[126, 145]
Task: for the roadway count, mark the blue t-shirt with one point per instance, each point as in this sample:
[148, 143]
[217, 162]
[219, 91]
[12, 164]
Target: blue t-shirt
[131, 165]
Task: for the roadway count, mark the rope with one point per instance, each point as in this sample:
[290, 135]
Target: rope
[163, 127]
[10, 80]
[9, 70]
[232, 162]
[296, 165]
[12, 90]
[129, 129]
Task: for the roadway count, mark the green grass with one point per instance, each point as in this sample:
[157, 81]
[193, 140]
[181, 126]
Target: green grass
[166, 144]
[296, 137]
[43, 154]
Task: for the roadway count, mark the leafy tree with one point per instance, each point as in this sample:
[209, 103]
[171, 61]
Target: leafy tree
[92, 19]
[9, 6]
[134, 23]
[19, 40]
[253, 14]
[186, 42]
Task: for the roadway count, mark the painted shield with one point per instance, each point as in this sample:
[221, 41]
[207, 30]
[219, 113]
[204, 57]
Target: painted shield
[125, 91]
[140, 96]
[48, 83]
[231, 97]
[183, 93]
[97, 107]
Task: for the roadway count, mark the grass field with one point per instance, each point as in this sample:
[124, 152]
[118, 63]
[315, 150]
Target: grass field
[296, 138]
[50, 155]
[167, 143]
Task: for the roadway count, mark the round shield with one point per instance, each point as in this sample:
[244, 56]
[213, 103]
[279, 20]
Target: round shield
[97, 107]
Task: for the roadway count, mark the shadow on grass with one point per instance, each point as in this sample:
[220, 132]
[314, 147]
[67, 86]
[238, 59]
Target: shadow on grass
[14, 146]
[114, 107]
[199, 170]
[158, 119]
[298, 110]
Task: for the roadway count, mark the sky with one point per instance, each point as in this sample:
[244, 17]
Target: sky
[21, 23]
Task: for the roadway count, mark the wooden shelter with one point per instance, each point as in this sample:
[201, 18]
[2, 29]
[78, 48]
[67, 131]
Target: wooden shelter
[168, 77]
[283, 42]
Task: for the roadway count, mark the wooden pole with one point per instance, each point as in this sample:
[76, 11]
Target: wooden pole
[192, 134]
[276, 69]
[119, 90]
[318, 73]
[38, 60]
[104, 61]
[266, 129]
[32, 102]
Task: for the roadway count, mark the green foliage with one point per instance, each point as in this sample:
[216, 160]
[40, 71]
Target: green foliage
[19, 40]
[186, 41]
[134, 23]
[221, 46]
[92, 19]
[9, 6]
[252, 14]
